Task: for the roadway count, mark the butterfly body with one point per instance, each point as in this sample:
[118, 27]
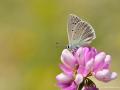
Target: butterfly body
[80, 33]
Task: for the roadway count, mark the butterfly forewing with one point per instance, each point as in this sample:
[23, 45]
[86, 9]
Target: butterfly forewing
[72, 22]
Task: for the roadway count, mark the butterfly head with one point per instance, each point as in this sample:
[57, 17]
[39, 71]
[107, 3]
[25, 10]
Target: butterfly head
[72, 48]
[68, 46]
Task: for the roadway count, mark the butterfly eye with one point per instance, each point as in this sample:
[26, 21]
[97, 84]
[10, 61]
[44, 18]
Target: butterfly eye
[68, 46]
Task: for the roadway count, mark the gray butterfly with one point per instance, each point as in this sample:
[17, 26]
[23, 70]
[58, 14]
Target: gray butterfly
[80, 33]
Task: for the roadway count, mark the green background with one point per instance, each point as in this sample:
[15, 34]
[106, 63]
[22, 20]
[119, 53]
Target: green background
[29, 30]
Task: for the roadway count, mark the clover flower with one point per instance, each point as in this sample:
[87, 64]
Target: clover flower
[78, 65]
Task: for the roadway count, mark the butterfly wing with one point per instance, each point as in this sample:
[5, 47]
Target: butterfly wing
[82, 34]
[72, 22]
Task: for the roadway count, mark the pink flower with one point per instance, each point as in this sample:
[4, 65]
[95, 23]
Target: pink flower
[82, 63]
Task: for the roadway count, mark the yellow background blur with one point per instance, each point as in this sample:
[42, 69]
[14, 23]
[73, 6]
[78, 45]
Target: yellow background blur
[29, 30]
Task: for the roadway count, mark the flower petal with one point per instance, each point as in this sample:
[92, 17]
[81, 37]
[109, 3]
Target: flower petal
[79, 55]
[107, 62]
[87, 54]
[89, 64]
[113, 75]
[99, 61]
[65, 69]
[63, 78]
[78, 79]
[73, 86]
[100, 57]
[68, 59]
[82, 70]
[63, 85]
[105, 75]
[102, 74]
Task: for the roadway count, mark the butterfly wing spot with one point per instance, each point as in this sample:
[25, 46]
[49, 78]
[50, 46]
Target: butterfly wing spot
[75, 20]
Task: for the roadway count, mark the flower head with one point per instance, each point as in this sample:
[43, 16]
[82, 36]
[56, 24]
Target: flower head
[79, 65]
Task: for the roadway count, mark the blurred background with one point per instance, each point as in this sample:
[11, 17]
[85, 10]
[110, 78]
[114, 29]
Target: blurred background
[29, 30]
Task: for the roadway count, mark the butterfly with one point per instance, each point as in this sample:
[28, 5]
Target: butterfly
[80, 33]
